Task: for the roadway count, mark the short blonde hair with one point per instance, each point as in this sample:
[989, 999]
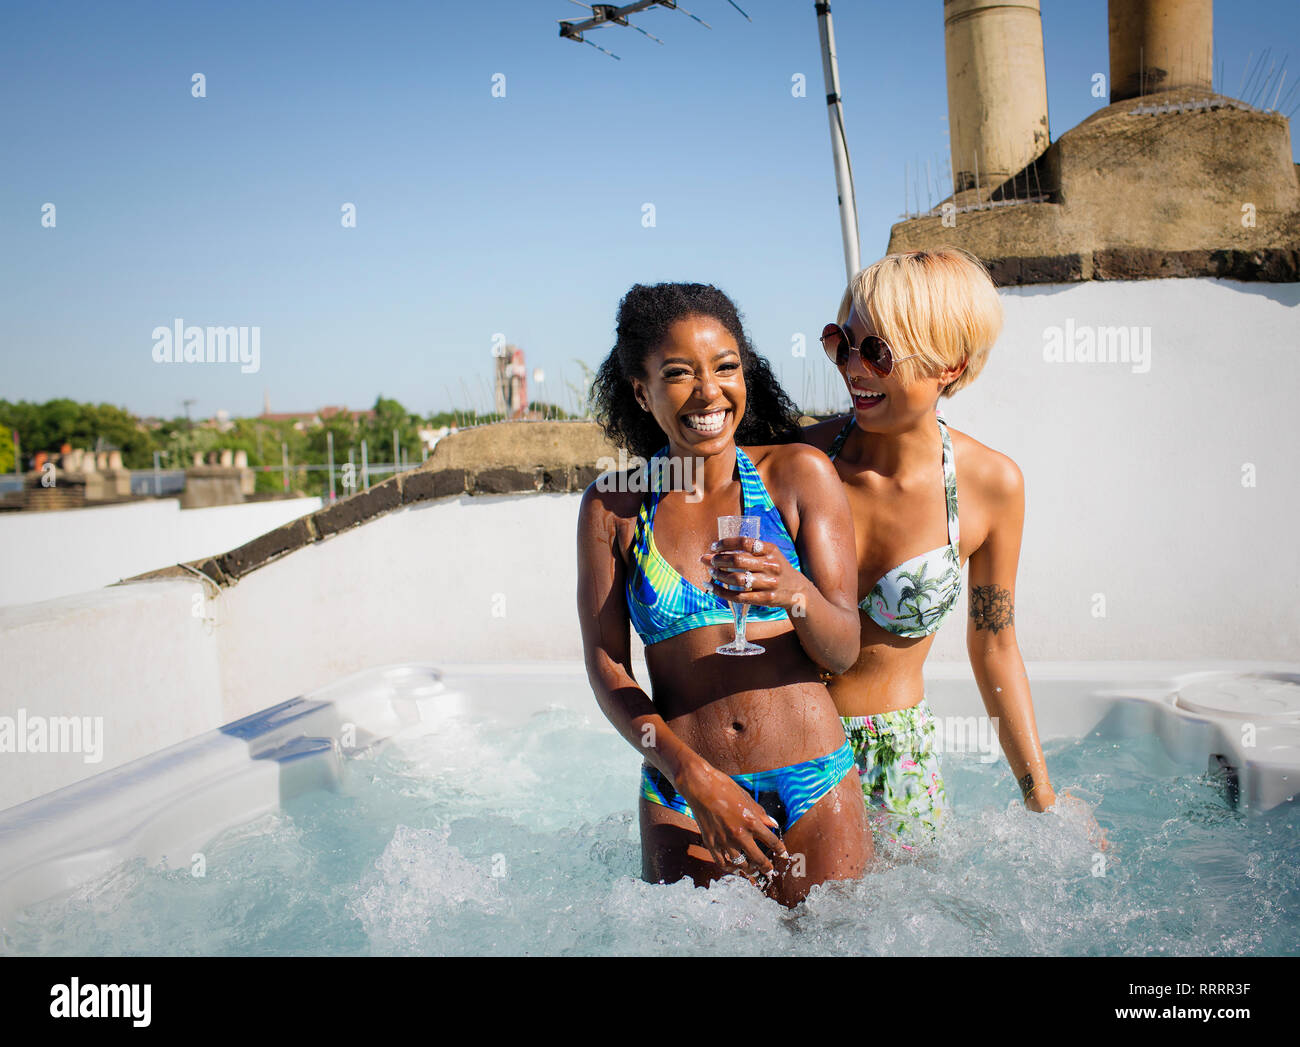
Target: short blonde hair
[940, 304]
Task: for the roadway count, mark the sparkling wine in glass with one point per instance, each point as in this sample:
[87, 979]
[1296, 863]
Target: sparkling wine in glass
[739, 527]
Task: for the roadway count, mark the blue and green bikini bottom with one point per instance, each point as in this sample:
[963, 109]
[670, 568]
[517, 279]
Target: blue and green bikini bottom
[786, 793]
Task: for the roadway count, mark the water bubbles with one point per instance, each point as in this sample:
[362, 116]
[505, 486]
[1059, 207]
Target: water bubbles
[523, 840]
[417, 884]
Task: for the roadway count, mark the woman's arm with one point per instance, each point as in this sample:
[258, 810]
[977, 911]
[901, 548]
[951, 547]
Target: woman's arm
[729, 819]
[821, 599]
[991, 636]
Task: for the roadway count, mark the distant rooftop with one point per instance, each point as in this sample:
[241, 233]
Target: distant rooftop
[318, 416]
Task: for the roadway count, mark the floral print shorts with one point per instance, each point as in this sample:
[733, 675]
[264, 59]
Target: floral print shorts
[898, 760]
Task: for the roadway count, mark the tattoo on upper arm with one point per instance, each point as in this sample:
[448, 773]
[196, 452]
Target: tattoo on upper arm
[991, 608]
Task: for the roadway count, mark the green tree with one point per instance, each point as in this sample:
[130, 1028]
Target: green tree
[179, 444]
[95, 427]
[378, 432]
[6, 449]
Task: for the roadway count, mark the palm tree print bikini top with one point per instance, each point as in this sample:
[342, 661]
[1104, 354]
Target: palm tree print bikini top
[916, 596]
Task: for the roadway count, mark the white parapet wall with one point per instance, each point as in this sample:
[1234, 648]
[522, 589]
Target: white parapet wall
[1161, 494]
[1161, 500]
[44, 555]
[130, 664]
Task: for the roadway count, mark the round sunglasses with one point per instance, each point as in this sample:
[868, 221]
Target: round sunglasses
[874, 351]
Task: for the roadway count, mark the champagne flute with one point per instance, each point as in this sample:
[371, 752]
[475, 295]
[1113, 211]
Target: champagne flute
[739, 527]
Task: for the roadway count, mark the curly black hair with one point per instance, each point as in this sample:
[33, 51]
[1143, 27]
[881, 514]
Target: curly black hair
[644, 316]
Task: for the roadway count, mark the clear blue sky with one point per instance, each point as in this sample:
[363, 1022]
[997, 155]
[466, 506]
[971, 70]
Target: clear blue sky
[476, 215]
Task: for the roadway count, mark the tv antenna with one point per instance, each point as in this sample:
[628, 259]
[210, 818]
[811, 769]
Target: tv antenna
[612, 14]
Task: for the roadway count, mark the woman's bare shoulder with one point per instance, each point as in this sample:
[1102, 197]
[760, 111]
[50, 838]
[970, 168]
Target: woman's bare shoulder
[613, 499]
[822, 434]
[793, 464]
[979, 466]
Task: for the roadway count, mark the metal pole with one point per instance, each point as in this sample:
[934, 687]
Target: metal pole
[329, 443]
[157, 480]
[284, 462]
[839, 147]
[397, 454]
[365, 468]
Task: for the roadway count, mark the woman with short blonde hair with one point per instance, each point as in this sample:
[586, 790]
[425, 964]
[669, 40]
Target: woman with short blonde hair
[913, 328]
[939, 305]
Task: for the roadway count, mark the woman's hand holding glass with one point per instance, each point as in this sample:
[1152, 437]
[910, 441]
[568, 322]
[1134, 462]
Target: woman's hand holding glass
[755, 572]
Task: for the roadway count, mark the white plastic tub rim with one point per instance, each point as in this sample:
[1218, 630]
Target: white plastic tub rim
[166, 807]
[1243, 727]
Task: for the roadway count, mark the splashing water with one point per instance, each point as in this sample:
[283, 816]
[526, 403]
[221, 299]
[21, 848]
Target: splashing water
[485, 839]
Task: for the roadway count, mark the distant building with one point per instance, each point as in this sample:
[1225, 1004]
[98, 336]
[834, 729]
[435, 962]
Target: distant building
[303, 420]
[510, 383]
[326, 413]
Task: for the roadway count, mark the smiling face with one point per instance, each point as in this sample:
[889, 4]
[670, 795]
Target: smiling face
[883, 402]
[694, 386]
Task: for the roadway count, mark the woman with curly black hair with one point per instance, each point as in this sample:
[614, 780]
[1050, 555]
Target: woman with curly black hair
[746, 763]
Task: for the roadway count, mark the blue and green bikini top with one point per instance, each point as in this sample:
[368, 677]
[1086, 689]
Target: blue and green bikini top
[660, 602]
[916, 596]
